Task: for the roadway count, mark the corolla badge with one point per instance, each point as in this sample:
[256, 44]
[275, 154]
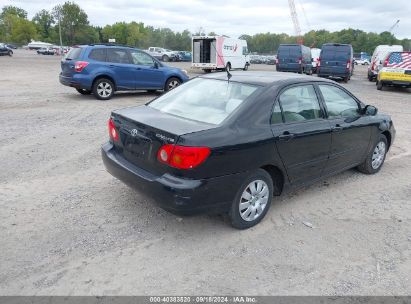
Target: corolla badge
[165, 138]
[134, 132]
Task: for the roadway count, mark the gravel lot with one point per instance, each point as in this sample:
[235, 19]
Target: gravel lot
[67, 227]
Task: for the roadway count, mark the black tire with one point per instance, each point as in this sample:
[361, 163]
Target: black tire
[103, 85]
[165, 58]
[83, 91]
[345, 79]
[246, 67]
[367, 166]
[228, 67]
[237, 220]
[379, 85]
[172, 83]
[370, 78]
[10, 53]
[207, 71]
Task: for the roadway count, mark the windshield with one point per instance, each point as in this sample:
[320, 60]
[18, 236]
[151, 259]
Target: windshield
[206, 100]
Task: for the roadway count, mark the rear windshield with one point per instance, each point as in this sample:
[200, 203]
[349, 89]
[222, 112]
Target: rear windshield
[74, 53]
[337, 53]
[289, 50]
[205, 100]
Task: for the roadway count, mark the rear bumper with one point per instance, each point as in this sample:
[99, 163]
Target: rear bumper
[330, 73]
[396, 82]
[72, 82]
[172, 193]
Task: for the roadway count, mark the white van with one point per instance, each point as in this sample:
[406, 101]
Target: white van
[380, 53]
[219, 53]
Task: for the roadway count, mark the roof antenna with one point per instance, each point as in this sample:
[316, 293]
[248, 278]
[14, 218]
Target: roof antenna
[228, 75]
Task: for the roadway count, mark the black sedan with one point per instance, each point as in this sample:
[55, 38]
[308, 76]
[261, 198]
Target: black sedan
[219, 145]
[4, 50]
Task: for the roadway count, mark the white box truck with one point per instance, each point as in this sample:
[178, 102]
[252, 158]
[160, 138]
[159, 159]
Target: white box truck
[219, 53]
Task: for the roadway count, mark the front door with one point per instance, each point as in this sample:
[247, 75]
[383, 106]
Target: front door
[350, 129]
[303, 135]
[147, 75]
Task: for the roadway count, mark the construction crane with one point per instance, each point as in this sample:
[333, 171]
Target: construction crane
[294, 17]
[393, 26]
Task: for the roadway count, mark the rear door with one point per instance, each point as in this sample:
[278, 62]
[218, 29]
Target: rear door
[147, 74]
[119, 62]
[334, 59]
[351, 131]
[303, 135]
[289, 57]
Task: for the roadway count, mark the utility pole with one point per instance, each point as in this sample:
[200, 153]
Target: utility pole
[61, 40]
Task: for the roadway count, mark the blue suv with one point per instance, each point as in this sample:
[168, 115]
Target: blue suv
[103, 69]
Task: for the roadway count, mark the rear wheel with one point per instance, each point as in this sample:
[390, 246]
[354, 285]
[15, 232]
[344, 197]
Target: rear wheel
[10, 53]
[370, 78]
[246, 67]
[165, 58]
[172, 83]
[83, 91]
[345, 79]
[103, 89]
[252, 201]
[379, 85]
[375, 159]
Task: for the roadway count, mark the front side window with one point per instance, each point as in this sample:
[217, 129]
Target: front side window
[300, 103]
[141, 58]
[117, 56]
[205, 100]
[338, 102]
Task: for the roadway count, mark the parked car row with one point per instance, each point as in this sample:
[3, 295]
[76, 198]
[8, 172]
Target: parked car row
[334, 60]
[263, 59]
[168, 55]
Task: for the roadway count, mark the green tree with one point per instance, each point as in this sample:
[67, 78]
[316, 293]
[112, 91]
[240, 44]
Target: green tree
[73, 21]
[44, 21]
[13, 10]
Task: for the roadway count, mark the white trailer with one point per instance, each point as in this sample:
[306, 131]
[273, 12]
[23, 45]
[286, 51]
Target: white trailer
[219, 53]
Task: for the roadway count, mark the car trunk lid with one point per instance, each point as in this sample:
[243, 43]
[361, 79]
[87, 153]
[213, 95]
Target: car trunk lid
[69, 61]
[144, 130]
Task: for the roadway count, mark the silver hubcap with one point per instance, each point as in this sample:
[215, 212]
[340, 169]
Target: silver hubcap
[104, 89]
[378, 155]
[173, 84]
[253, 200]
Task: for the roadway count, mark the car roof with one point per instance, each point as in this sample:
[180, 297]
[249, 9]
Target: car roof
[265, 78]
[108, 45]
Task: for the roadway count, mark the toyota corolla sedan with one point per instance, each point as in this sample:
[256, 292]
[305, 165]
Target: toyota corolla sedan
[229, 145]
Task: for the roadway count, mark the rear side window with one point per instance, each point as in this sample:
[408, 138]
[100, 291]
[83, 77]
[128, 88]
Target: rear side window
[118, 56]
[98, 54]
[141, 58]
[299, 103]
[338, 102]
[74, 53]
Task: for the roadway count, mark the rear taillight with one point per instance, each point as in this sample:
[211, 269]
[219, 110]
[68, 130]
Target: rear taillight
[300, 60]
[80, 65]
[277, 60]
[386, 61]
[348, 64]
[319, 61]
[112, 131]
[182, 157]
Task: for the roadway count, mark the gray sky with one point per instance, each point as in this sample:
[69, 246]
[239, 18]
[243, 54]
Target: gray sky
[235, 17]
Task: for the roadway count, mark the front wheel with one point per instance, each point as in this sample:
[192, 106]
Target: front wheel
[103, 89]
[172, 83]
[375, 159]
[252, 201]
[379, 85]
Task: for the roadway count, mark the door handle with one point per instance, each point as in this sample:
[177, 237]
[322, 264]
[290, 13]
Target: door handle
[337, 128]
[285, 136]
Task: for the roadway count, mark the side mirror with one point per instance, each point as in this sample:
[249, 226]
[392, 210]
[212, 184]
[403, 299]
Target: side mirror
[370, 110]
